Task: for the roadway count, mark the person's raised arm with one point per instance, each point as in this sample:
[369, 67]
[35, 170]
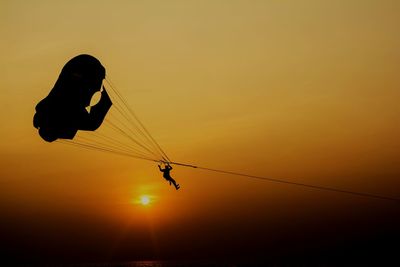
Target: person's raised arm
[160, 168]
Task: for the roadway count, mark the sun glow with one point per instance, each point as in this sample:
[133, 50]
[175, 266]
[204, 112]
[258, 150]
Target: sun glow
[145, 200]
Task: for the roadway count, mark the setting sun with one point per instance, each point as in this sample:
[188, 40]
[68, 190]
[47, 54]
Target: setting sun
[144, 200]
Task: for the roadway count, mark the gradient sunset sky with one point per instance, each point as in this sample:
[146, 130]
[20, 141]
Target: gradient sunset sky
[306, 91]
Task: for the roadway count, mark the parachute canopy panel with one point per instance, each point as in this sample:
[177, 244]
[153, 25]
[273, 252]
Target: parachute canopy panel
[63, 112]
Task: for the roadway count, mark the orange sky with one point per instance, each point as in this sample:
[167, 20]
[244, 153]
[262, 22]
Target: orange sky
[301, 90]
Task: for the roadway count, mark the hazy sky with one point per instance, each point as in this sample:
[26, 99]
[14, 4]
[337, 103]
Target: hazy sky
[306, 91]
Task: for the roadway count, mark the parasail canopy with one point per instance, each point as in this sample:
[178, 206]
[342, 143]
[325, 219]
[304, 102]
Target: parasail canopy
[67, 114]
[63, 112]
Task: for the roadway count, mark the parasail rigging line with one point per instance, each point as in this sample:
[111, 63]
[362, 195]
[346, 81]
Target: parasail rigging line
[131, 122]
[134, 127]
[136, 118]
[324, 188]
[117, 142]
[124, 130]
[92, 147]
[138, 140]
[135, 122]
[104, 141]
[116, 128]
[106, 145]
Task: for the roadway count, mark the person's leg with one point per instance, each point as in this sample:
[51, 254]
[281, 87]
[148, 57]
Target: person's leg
[174, 182]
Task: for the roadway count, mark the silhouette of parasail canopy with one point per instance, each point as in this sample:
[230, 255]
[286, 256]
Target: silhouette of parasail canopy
[63, 112]
[67, 116]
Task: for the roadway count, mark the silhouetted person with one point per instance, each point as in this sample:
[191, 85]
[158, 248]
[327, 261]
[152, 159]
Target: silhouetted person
[167, 176]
